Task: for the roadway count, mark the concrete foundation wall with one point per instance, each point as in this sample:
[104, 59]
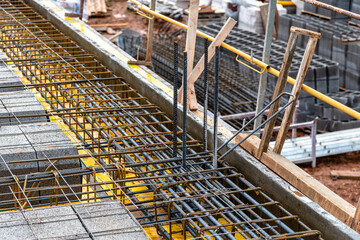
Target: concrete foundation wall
[310, 212]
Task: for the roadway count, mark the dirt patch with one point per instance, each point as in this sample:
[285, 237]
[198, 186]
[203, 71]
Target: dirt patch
[347, 189]
[120, 14]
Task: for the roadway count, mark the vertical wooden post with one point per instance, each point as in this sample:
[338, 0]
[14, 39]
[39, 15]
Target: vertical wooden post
[309, 51]
[81, 10]
[279, 88]
[191, 34]
[150, 34]
[190, 42]
[356, 220]
[199, 68]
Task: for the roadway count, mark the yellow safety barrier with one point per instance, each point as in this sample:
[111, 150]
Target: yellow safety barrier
[258, 63]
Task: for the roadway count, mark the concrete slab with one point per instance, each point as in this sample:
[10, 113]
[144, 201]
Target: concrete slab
[20, 103]
[34, 141]
[109, 217]
[15, 146]
[107, 220]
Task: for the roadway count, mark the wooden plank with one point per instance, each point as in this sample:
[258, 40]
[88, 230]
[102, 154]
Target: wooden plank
[191, 34]
[90, 6]
[115, 36]
[199, 68]
[356, 221]
[355, 175]
[264, 11]
[279, 89]
[310, 187]
[103, 8]
[294, 175]
[305, 63]
[190, 41]
[112, 25]
[150, 34]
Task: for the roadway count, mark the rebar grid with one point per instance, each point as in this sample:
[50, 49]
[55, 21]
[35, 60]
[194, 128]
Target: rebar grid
[238, 87]
[124, 136]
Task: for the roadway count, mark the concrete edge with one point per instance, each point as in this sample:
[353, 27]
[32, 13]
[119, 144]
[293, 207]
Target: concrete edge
[277, 188]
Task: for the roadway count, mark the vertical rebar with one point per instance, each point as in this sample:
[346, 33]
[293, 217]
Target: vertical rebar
[206, 92]
[175, 98]
[184, 110]
[217, 56]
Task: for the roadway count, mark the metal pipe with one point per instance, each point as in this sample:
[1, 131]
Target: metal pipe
[175, 99]
[206, 92]
[334, 9]
[216, 100]
[261, 125]
[184, 111]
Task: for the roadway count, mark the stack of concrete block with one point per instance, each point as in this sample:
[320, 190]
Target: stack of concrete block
[29, 138]
[344, 4]
[36, 141]
[333, 119]
[323, 74]
[336, 43]
[105, 220]
[20, 103]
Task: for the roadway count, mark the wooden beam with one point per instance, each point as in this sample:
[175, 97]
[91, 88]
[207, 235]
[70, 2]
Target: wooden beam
[115, 36]
[150, 34]
[305, 63]
[112, 25]
[191, 34]
[190, 42]
[356, 221]
[338, 174]
[302, 181]
[199, 68]
[279, 89]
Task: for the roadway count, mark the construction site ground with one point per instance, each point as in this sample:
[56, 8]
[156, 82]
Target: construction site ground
[347, 189]
[121, 14]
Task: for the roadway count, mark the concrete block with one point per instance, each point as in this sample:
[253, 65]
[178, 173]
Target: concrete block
[341, 116]
[20, 103]
[106, 220]
[323, 124]
[13, 226]
[352, 80]
[56, 222]
[15, 146]
[325, 43]
[328, 113]
[353, 57]
[48, 141]
[319, 110]
[109, 217]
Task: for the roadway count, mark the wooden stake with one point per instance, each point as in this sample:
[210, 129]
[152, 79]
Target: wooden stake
[356, 221]
[343, 174]
[150, 35]
[199, 68]
[309, 51]
[279, 89]
[191, 34]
